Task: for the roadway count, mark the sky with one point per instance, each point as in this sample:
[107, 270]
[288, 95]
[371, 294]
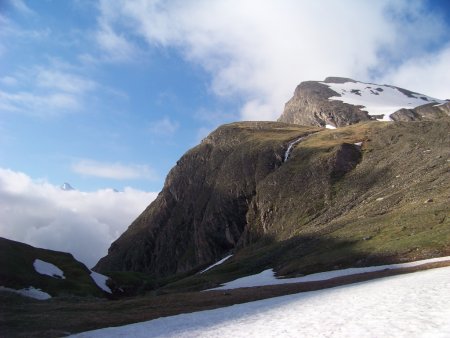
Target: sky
[109, 94]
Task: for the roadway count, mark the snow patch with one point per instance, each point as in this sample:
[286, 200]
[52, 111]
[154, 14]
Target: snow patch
[358, 144]
[30, 292]
[100, 280]
[45, 268]
[410, 305]
[377, 99]
[329, 126]
[217, 263]
[267, 277]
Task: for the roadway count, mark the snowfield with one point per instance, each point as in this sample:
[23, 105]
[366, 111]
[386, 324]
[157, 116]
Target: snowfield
[411, 305]
[30, 292]
[49, 269]
[267, 277]
[100, 280]
[377, 99]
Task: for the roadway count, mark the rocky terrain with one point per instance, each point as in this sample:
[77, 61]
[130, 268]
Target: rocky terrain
[339, 102]
[368, 193]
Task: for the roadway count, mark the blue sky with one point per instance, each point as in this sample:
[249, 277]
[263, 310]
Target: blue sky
[109, 94]
[93, 94]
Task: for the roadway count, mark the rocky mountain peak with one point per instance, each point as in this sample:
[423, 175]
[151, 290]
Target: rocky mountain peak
[340, 101]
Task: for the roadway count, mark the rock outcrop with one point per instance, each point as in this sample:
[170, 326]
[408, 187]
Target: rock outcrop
[310, 106]
[339, 102]
[429, 111]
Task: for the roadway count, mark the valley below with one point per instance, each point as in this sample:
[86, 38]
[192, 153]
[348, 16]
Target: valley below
[63, 316]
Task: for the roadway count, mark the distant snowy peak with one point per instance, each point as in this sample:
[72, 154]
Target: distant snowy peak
[379, 100]
[66, 187]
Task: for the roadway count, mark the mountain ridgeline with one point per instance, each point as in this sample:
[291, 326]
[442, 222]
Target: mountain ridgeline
[369, 192]
[353, 101]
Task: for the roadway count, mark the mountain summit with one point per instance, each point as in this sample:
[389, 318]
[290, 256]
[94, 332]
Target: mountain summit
[338, 102]
[66, 187]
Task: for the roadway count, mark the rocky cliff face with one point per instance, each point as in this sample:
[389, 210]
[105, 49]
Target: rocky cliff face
[201, 212]
[310, 106]
[339, 102]
[342, 197]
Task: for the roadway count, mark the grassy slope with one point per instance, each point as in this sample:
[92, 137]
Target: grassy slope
[17, 271]
[393, 206]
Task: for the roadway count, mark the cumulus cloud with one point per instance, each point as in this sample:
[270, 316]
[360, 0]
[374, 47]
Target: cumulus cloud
[115, 171]
[435, 68]
[260, 50]
[82, 223]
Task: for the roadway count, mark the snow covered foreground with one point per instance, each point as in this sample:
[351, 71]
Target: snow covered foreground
[411, 305]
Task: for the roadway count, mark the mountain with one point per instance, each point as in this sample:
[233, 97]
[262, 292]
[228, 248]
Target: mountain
[295, 199]
[66, 187]
[41, 273]
[338, 102]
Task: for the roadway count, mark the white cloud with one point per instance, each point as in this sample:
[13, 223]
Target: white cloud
[82, 223]
[38, 104]
[117, 46]
[164, 127]
[260, 50]
[435, 68]
[63, 81]
[46, 91]
[115, 171]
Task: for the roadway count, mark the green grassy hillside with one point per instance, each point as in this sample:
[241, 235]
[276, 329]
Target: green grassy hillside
[17, 271]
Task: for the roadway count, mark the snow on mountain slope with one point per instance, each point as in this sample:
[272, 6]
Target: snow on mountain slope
[216, 263]
[378, 99]
[267, 277]
[45, 268]
[100, 280]
[412, 305]
[29, 292]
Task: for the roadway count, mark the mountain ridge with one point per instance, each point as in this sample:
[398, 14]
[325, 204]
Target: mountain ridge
[340, 101]
[346, 197]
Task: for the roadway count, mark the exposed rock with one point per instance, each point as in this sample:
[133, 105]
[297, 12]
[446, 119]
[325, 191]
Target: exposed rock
[319, 103]
[429, 111]
[201, 212]
[310, 106]
[233, 192]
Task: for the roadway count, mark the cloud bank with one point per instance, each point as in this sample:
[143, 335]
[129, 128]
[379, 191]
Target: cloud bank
[82, 223]
[260, 50]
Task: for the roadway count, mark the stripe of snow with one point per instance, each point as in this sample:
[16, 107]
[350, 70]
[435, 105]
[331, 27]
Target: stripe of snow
[216, 263]
[329, 126]
[45, 268]
[30, 292]
[100, 280]
[267, 277]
